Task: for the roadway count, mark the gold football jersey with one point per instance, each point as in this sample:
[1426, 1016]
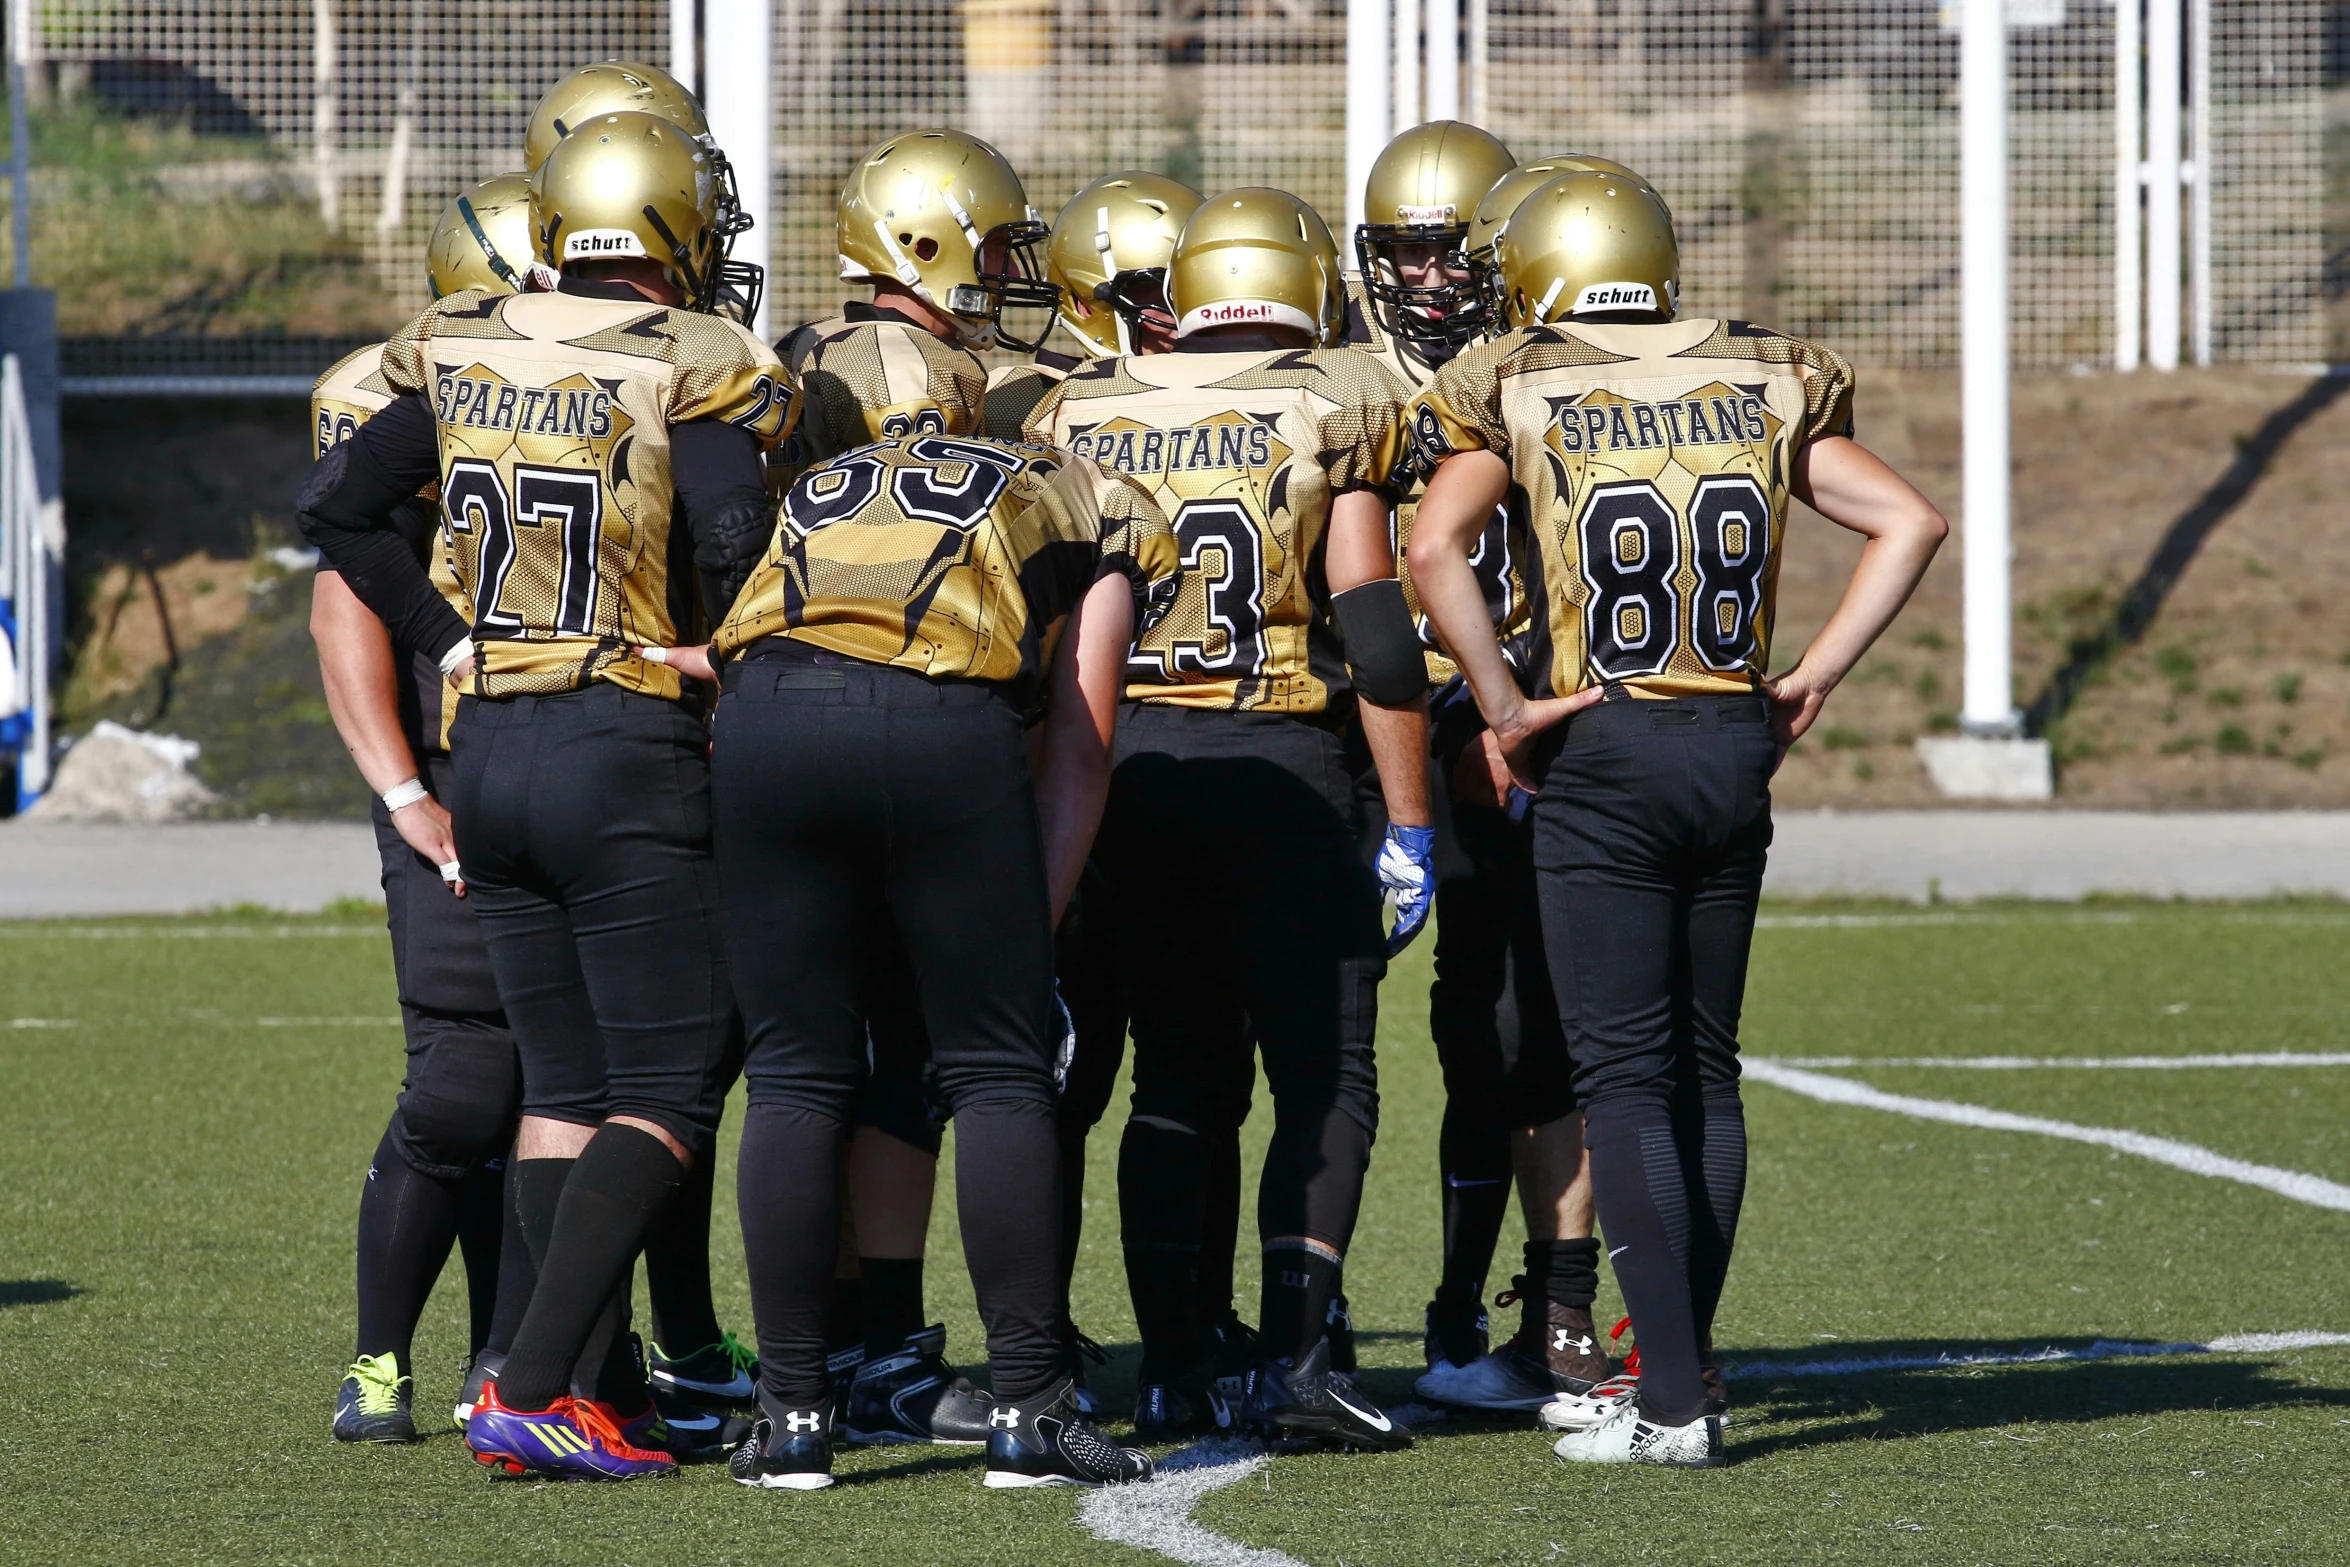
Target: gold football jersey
[956, 557]
[1245, 450]
[865, 376]
[1013, 391]
[554, 413]
[1653, 461]
[352, 391]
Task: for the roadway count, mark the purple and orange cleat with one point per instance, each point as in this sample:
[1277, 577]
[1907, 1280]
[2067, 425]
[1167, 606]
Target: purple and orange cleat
[572, 1439]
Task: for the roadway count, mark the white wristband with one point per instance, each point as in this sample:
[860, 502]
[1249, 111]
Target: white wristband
[402, 794]
[452, 873]
[458, 653]
[653, 655]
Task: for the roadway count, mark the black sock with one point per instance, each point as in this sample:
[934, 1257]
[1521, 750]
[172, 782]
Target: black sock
[677, 1268]
[1008, 1198]
[481, 1233]
[1306, 1209]
[518, 1268]
[1717, 1195]
[1162, 1176]
[619, 1186]
[893, 1301]
[844, 1314]
[1474, 1150]
[788, 1190]
[538, 1193]
[1219, 1222]
[407, 1223]
[1301, 1276]
[608, 1370]
[1643, 1203]
[1071, 1138]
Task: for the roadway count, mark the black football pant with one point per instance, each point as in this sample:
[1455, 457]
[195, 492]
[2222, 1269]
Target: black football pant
[437, 1179]
[1650, 832]
[583, 823]
[1495, 1024]
[850, 797]
[1232, 845]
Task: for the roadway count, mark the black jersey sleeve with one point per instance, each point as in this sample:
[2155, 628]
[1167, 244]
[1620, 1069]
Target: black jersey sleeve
[722, 499]
[351, 506]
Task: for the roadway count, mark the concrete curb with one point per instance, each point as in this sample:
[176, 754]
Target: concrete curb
[65, 871]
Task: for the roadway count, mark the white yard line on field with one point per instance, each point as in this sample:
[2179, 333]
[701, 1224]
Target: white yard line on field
[1156, 1515]
[2103, 1349]
[2105, 1063]
[2314, 1190]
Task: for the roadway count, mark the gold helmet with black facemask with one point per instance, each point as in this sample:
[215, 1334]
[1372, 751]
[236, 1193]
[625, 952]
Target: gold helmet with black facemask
[940, 213]
[1419, 196]
[627, 186]
[1108, 255]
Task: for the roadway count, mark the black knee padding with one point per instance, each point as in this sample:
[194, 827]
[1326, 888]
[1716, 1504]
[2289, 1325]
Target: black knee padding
[450, 1137]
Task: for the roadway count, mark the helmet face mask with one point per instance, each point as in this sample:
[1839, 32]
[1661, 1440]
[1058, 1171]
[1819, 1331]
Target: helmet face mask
[1411, 247]
[1011, 276]
[1108, 256]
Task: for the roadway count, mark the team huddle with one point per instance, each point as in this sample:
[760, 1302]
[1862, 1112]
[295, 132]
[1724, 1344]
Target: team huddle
[901, 737]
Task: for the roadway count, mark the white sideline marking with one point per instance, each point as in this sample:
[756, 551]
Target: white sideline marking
[1959, 917]
[1156, 1515]
[2314, 1190]
[2110, 1063]
[2103, 1349]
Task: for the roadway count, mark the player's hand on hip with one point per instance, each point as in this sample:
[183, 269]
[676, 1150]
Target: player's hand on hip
[1518, 733]
[461, 672]
[423, 825]
[1407, 873]
[693, 661]
[1796, 698]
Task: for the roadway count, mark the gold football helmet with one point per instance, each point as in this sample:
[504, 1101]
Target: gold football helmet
[1421, 193]
[631, 184]
[482, 239]
[1587, 244]
[626, 86]
[942, 213]
[1260, 257]
[1495, 207]
[1108, 256]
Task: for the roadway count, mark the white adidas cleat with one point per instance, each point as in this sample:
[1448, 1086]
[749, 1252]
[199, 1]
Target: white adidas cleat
[1582, 1411]
[1625, 1438]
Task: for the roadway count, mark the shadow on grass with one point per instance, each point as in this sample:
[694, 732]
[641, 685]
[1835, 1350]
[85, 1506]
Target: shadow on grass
[1871, 1404]
[37, 1292]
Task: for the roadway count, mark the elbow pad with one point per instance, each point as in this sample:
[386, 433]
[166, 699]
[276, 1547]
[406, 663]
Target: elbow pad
[345, 492]
[727, 548]
[1383, 654]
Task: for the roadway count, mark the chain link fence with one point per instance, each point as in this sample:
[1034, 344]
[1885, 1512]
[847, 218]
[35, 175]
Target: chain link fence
[238, 186]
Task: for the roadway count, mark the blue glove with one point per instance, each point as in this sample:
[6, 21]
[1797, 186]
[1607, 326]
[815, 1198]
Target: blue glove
[1407, 871]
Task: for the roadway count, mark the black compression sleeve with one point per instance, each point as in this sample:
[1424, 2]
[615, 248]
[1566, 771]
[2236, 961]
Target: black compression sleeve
[1382, 645]
[349, 507]
[722, 499]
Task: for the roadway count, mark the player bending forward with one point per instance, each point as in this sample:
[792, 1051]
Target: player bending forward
[1657, 457]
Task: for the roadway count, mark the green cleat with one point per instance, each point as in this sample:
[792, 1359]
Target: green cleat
[373, 1403]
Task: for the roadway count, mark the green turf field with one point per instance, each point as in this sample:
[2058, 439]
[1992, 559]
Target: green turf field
[186, 1108]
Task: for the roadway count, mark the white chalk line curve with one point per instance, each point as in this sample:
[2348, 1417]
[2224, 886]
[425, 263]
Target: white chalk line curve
[2314, 1190]
[1156, 1514]
[2246, 1058]
[2102, 1349]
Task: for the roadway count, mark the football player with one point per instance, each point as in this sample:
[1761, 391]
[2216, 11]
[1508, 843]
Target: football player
[1231, 839]
[699, 1371]
[1509, 1107]
[939, 225]
[438, 1176]
[598, 451]
[871, 781]
[1657, 457]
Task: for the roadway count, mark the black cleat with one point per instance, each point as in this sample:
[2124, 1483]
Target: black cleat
[912, 1395]
[840, 1368]
[373, 1404]
[1232, 1355]
[1171, 1411]
[479, 1369]
[1457, 1326]
[1048, 1441]
[721, 1377]
[1310, 1399]
[788, 1450]
[1077, 1351]
[1338, 1326]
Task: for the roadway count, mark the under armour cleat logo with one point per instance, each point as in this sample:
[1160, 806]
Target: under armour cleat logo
[1561, 1343]
[794, 1421]
[1004, 1419]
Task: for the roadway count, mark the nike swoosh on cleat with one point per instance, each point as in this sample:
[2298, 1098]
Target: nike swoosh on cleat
[1619, 1251]
[1376, 1421]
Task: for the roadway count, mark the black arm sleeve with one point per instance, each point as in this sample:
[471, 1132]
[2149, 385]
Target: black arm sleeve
[1382, 644]
[349, 507]
[722, 500]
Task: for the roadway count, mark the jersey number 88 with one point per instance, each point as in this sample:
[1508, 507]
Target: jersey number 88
[1631, 545]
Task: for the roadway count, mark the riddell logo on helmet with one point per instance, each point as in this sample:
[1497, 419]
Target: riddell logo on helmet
[1218, 315]
[1616, 296]
[1421, 217]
